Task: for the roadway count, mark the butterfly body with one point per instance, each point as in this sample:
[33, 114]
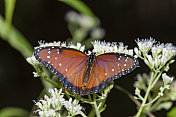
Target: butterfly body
[90, 63]
[84, 74]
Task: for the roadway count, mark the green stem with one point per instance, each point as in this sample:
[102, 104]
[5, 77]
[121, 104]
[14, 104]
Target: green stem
[95, 106]
[146, 95]
[153, 100]
[156, 104]
[96, 109]
[83, 114]
[154, 82]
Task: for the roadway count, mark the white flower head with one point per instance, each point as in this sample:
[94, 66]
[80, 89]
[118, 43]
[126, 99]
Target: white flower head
[50, 104]
[160, 53]
[137, 91]
[82, 20]
[72, 16]
[61, 44]
[36, 74]
[105, 47]
[157, 49]
[97, 33]
[32, 60]
[138, 53]
[167, 79]
[145, 44]
[86, 21]
[169, 50]
[73, 107]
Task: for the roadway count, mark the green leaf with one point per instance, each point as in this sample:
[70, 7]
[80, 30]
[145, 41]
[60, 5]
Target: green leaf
[79, 6]
[13, 112]
[172, 112]
[15, 39]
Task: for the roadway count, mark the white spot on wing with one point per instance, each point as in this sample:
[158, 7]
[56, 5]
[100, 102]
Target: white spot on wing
[66, 69]
[124, 64]
[49, 52]
[48, 56]
[60, 64]
[56, 58]
[112, 69]
[105, 74]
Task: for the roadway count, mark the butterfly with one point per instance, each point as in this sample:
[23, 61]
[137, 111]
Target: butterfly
[81, 73]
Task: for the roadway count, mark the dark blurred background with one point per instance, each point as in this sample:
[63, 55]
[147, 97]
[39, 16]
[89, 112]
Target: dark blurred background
[123, 20]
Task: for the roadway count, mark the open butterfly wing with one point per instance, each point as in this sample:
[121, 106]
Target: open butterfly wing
[108, 67]
[69, 64]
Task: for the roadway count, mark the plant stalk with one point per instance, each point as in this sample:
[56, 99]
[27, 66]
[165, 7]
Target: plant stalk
[146, 96]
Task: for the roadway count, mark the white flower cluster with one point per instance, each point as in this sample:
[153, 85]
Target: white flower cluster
[167, 82]
[160, 53]
[62, 44]
[105, 47]
[145, 44]
[82, 20]
[80, 25]
[166, 79]
[73, 107]
[51, 106]
[97, 33]
[32, 60]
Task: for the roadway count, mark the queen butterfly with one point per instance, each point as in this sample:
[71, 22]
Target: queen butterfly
[81, 73]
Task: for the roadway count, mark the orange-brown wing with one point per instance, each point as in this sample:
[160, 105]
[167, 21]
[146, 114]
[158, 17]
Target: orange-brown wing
[108, 67]
[69, 64]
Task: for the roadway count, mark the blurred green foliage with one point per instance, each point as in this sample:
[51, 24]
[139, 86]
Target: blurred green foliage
[15, 38]
[79, 6]
[10, 34]
[172, 112]
[13, 112]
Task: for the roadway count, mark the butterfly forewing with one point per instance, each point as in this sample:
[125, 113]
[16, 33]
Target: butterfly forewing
[69, 64]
